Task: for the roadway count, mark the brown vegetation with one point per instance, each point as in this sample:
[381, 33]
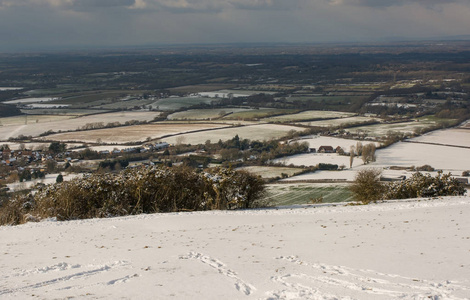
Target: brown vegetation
[135, 191]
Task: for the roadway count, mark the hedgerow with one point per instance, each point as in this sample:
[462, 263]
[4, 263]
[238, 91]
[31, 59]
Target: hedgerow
[424, 185]
[135, 191]
[367, 186]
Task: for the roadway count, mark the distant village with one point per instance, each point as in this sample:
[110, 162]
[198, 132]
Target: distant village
[25, 164]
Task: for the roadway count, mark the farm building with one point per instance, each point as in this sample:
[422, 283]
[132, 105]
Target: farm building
[326, 149]
[160, 146]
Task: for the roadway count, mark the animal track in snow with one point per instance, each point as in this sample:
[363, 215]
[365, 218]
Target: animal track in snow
[240, 285]
[356, 282]
[83, 272]
[57, 267]
[121, 280]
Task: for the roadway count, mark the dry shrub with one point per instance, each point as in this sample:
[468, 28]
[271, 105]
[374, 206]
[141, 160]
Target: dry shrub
[144, 190]
[424, 185]
[367, 186]
[14, 211]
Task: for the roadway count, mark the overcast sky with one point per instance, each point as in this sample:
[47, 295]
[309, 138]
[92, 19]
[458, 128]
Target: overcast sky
[30, 25]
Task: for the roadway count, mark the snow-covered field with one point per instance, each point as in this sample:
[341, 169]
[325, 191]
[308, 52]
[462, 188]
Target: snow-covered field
[263, 132]
[50, 178]
[449, 159]
[350, 174]
[135, 133]
[402, 154]
[42, 105]
[454, 136]
[413, 154]
[270, 172]
[316, 141]
[411, 249]
[57, 123]
[232, 93]
[378, 130]
[10, 88]
[31, 100]
[313, 159]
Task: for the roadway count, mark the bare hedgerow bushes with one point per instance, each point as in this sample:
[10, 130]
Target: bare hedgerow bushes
[424, 185]
[140, 190]
[367, 186]
[13, 211]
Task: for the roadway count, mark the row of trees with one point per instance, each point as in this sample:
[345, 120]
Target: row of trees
[367, 153]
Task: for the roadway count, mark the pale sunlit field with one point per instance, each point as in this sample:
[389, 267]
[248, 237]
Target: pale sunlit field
[57, 123]
[255, 132]
[130, 134]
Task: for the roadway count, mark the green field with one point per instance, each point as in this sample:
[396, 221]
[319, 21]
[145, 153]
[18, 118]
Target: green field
[260, 113]
[179, 103]
[356, 87]
[60, 89]
[91, 99]
[201, 88]
[270, 87]
[290, 194]
[338, 102]
[63, 111]
[119, 104]
[32, 119]
[409, 127]
[435, 120]
[309, 115]
[329, 99]
[228, 113]
[344, 122]
[205, 114]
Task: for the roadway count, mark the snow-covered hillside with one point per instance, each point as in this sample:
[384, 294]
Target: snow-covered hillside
[411, 249]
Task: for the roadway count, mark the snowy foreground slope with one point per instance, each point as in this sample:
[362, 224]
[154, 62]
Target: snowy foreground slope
[415, 249]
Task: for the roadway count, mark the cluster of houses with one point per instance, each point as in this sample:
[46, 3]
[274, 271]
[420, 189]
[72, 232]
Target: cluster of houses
[19, 160]
[10, 157]
[145, 148]
[327, 149]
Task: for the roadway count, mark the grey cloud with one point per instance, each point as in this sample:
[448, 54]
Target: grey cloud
[211, 6]
[253, 4]
[389, 3]
[66, 3]
[29, 24]
[267, 4]
[101, 3]
[175, 6]
[188, 6]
